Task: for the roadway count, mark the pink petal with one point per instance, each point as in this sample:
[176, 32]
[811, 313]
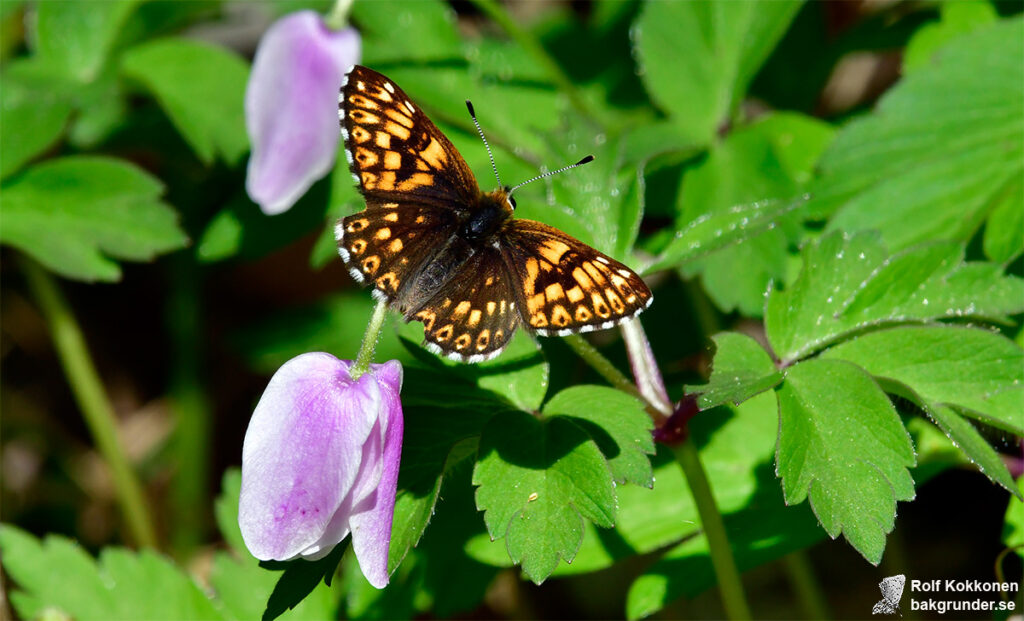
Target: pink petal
[302, 454]
[291, 107]
[371, 519]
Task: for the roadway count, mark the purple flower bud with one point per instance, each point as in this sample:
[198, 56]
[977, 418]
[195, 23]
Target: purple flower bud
[320, 461]
[291, 107]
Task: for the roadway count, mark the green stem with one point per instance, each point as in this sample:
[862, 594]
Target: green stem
[190, 446]
[91, 397]
[365, 357]
[337, 19]
[533, 47]
[805, 586]
[602, 365]
[729, 584]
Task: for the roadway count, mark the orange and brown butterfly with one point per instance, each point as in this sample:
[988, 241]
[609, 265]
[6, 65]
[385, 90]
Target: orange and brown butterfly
[442, 252]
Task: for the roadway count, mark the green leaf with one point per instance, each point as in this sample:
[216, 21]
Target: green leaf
[32, 113]
[76, 37]
[842, 444]
[741, 369]
[616, 422]
[1004, 230]
[537, 482]
[72, 213]
[698, 58]
[519, 374]
[201, 87]
[968, 368]
[57, 574]
[243, 589]
[397, 31]
[848, 283]
[957, 18]
[940, 151]
[765, 530]
[746, 188]
[966, 437]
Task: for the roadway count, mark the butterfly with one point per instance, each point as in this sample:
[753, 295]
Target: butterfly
[444, 253]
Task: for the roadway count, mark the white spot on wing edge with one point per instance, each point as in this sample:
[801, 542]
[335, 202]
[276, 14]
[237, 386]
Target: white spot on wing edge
[355, 178]
[356, 274]
[344, 254]
[344, 78]
[339, 231]
[344, 133]
[351, 160]
[433, 347]
[602, 260]
[564, 332]
[379, 295]
[541, 332]
[389, 87]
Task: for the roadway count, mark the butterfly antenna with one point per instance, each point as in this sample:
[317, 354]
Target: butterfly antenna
[472, 114]
[589, 158]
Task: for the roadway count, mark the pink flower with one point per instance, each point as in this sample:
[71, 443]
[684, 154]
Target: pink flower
[320, 461]
[291, 107]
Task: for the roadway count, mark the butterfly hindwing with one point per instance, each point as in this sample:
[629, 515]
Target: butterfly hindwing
[473, 317]
[565, 286]
[386, 244]
[395, 152]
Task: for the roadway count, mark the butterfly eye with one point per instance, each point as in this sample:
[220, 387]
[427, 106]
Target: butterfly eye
[512, 201]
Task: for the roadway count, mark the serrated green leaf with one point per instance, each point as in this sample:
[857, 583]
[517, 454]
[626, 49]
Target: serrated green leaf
[957, 18]
[537, 481]
[201, 87]
[57, 573]
[616, 422]
[842, 444]
[699, 57]
[745, 189]
[33, 116]
[977, 370]
[943, 145]
[72, 213]
[740, 370]
[974, 446]
[848, 283]
[76, 37]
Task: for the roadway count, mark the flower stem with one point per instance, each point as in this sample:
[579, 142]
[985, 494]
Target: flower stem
[337, 19]
[530, 43]
[91, 397]
[190, 443]
[645, 367]
[602, 365]
[729, 584]
[652, 391]
[805, 585]
[362, 363]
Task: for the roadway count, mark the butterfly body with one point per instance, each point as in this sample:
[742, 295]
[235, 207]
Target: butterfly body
[442, 252]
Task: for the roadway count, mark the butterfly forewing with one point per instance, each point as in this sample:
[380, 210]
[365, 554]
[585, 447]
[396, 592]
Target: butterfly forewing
[565, 286]
[395, 152]
[473, 317]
